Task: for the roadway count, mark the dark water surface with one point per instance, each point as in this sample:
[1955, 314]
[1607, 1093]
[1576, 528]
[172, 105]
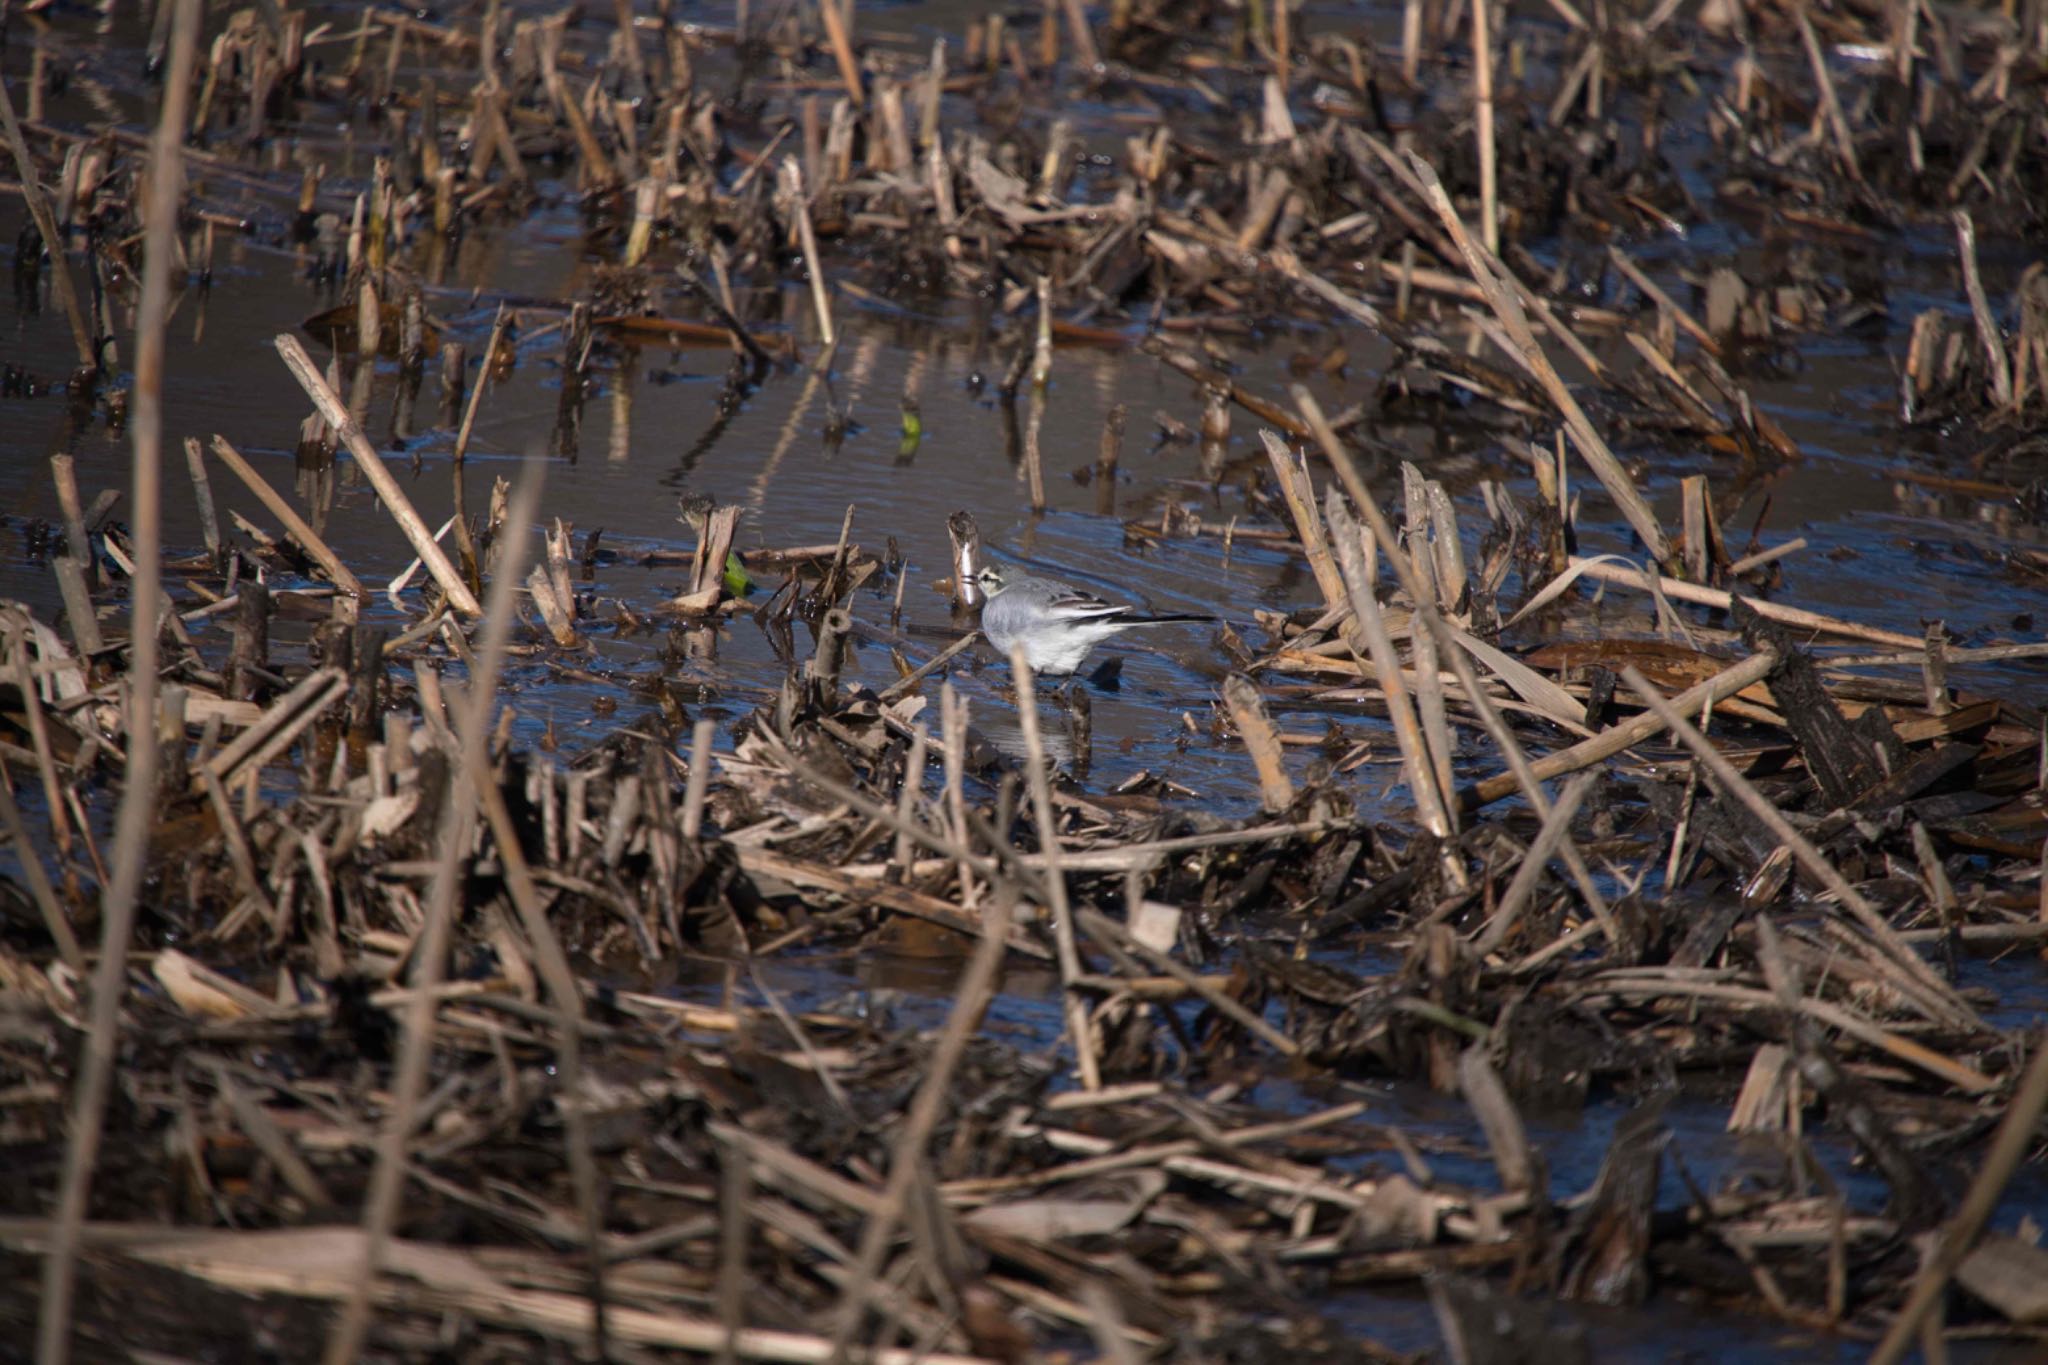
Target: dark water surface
[1881, 549]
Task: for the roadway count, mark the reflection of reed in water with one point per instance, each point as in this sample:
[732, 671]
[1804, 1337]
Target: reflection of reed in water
[1003, 730]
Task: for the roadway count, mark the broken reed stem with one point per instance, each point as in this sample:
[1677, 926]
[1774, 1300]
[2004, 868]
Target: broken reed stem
[54, 918]
[1290, 471]
[1488, 273]
[430, 948]
[1452, 647]
[1255, 727]
[1085, 53]
[807, 238]
[1507, 1139]
[880, 814]
[1809, 857]
[295, 525]
[735, 1187]
[465, 544]
[906, 1159]
[699, 779]
[46, 226]
[1411, 42]
[1055, 876]
[841, 42]
[1034, 459]
[1555, 831]
[909, 681]
[1482, 77]
[139, 797]
[1532, 790]
[202, 494]
[483, 379]
[1722, 600]
[2009, 1146]
[1116, 940]
[560, 979]
[1838, 126]
[909, 790]
[965, 537]
[1431, 805]
[953, 731]
[365, 455]
[64, 474]
[1630, 732]
[1980, 311]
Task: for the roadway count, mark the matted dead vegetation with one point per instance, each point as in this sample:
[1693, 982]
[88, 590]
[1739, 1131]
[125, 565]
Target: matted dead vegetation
[332, 1010]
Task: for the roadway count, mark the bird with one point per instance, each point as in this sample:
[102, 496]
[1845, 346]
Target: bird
[1056, 623]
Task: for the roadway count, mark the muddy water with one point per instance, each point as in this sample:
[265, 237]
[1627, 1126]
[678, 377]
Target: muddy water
[654, 427]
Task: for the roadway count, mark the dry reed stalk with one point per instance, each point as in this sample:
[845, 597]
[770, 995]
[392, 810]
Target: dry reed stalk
[2015, 1137]
[1809, 857]
[1034, 458]
[1422, 644]
[554, 613]
[1722, 600]
[807, 238]
[909, 681]
[295, 525]
[1116, 940]
[280, 725]
[476, 397]
[907, 1157]
[79, 615]
[698, 781]
[395, 501]
[837, 33]
[953, 736]
[907, 794]
[1980, 312]
[1483, 116]
[202, 495]
[1489, 273]
[1040, 784]
[54, 918]
[1104, 1319]
[46, 226]
[1524, 775]
[1432, 807]
[1651, 982]
[1455, 646]
[1506, 1138]
[1630, 732]
[1255, 728]
[64, 475]
[1555, 831]
[735, 1188]
[430, 951]
[1290, 471]
[1750, 563]
[1085, 52]
[880, 814]
[1650, 289]
[139, 795]
[1123, 857]
[1838, 125]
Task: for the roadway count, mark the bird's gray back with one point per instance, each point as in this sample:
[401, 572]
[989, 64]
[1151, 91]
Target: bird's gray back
[1043, 592]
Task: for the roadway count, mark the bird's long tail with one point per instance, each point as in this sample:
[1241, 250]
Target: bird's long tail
[1164, 619]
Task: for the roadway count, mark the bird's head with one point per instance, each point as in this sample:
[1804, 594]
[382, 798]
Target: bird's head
[992, 579]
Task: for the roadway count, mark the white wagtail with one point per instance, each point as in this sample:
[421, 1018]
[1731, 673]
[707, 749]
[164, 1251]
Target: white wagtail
[1057, 623]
